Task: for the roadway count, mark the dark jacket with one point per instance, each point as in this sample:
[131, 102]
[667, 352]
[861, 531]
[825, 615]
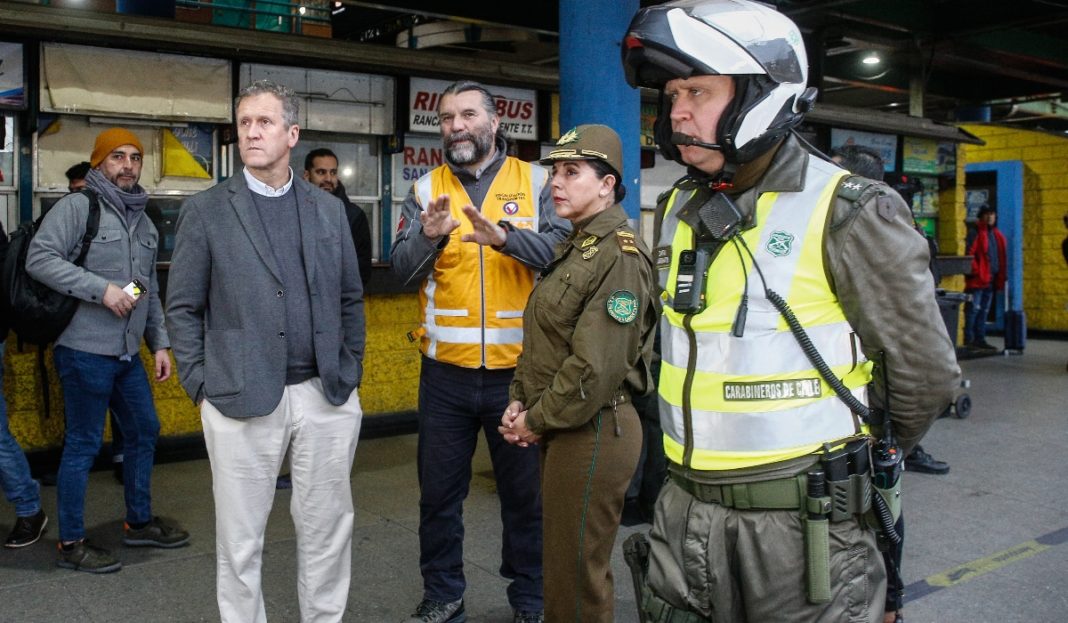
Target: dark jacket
[361, 233]
[225, 306]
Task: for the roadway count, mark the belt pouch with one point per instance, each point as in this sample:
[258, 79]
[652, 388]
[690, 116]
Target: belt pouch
[817, 539]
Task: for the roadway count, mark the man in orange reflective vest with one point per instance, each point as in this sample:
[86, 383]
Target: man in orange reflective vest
[474, 231]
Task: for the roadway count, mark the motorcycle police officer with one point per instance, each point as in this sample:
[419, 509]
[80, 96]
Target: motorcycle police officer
[793, 296]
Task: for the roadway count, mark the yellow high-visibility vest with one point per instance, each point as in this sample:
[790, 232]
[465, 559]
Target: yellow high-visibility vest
[730, 402]
[473, 300]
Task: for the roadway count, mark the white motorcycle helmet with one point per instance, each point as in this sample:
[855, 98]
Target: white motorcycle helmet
[760, 47]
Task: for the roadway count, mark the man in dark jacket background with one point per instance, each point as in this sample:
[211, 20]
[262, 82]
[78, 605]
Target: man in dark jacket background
[320, 168]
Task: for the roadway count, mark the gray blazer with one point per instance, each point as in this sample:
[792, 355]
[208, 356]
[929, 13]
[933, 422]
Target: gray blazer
[225, 311]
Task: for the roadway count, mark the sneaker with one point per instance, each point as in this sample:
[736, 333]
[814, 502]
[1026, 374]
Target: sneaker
[27, 530]
[285, 481]
[429, 611]
[523, 616]
[920, 461]
[84, 557]
[155, 534]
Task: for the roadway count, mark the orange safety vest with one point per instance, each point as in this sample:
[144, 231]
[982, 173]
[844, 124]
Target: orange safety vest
[473, 299]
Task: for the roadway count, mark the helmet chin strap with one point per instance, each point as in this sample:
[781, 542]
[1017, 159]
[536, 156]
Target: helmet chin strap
[722, 180]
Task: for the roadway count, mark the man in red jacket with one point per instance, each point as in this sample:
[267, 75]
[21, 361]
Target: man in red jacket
[986, 245]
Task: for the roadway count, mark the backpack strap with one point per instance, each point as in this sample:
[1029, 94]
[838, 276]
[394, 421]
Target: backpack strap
[92, 224]
[46, 387]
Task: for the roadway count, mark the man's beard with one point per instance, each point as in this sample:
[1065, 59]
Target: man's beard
[123, 187]
[480, 143]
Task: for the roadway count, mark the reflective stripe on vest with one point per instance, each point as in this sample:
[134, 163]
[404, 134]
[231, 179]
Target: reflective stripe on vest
[757, 399]
[473, 299]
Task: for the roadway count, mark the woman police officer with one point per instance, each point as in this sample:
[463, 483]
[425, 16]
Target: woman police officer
[587, 341]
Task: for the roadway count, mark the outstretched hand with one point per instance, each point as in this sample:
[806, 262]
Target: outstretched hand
[437, 218]
[486, 232]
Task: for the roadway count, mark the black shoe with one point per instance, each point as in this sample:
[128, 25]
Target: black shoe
[525, 616]
[27, 530]
[84, 557]
[920, 461]
[285, 481]
[429, 611]
[48, 479]
[983, 345]
[154, 534]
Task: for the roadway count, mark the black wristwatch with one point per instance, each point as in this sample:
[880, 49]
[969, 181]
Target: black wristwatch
[507, 227]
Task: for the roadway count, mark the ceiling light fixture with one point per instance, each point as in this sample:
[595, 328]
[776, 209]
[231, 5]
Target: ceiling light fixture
[871, 58]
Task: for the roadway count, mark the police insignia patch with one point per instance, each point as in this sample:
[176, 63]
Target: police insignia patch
[587, 242]
[623, 306]
[780, 243]
[588, 253]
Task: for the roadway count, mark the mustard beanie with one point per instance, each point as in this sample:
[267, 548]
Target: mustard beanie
[108, 140]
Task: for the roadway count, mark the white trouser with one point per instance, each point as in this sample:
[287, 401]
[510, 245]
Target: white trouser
[246, 454]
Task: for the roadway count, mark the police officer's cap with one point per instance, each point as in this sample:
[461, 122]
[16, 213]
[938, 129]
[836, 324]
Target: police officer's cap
[589, 142]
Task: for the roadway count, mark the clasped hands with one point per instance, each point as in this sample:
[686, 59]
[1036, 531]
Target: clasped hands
[514, 426]
[437, 222]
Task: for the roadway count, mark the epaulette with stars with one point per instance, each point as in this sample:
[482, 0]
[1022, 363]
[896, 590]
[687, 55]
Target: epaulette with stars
[626, 241]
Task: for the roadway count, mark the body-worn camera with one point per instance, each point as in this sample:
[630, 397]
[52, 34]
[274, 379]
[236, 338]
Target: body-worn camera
[690, 281]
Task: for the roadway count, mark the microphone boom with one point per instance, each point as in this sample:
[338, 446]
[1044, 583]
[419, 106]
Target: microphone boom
[678, 138]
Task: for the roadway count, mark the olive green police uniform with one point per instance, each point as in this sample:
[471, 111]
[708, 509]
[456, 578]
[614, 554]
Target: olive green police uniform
[587, 341]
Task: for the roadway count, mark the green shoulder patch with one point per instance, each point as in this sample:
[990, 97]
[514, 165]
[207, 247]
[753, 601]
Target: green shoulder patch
[623, 306]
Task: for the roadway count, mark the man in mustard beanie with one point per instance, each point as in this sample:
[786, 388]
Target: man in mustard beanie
[97, 356]
[111, 139]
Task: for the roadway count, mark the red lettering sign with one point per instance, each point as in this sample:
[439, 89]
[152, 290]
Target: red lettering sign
[425, 100]
[514, 109]
[422, 156]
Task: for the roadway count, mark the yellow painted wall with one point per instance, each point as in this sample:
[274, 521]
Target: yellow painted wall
[390, 380]
[951, 229]
[1045, 162]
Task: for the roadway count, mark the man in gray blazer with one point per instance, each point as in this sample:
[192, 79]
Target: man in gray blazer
[265, 313]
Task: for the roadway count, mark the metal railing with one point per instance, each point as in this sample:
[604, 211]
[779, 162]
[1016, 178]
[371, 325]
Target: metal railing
[250, 13]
